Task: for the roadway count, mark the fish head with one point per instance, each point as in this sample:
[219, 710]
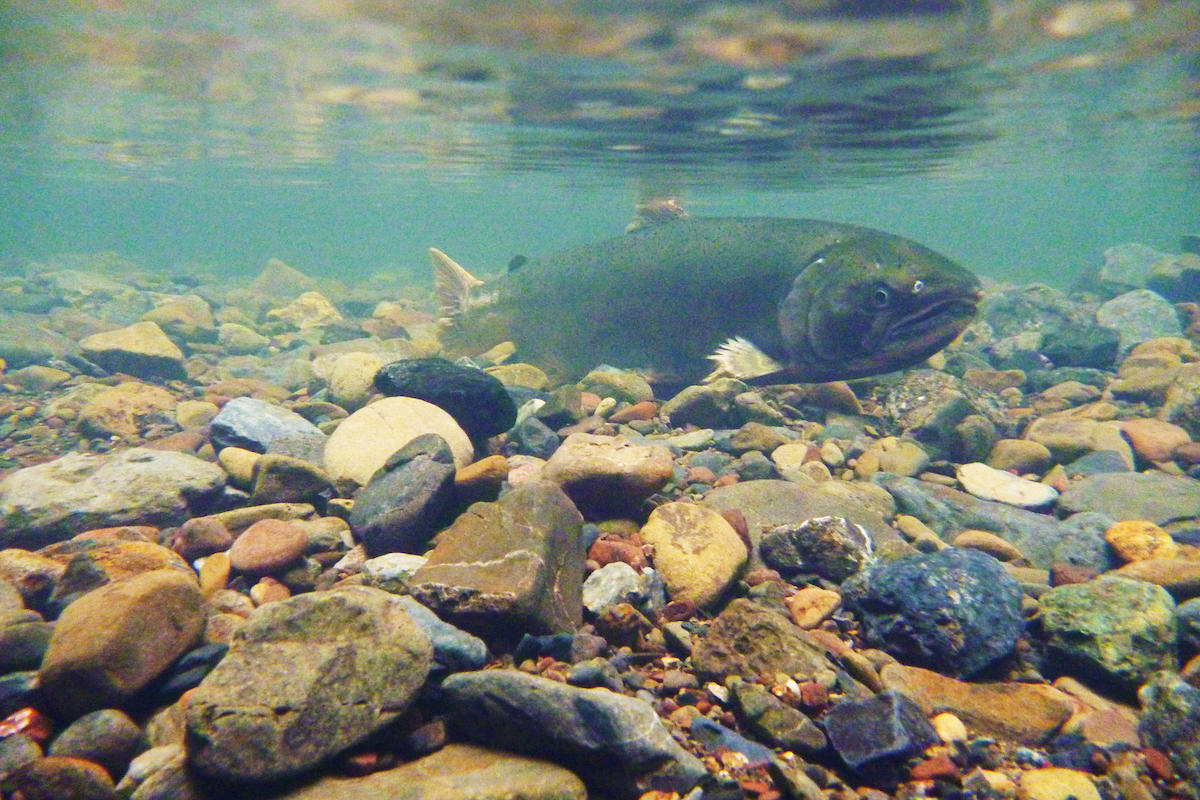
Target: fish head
[873, 304]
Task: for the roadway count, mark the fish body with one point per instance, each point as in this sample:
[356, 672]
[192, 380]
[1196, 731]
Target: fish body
[770, 300]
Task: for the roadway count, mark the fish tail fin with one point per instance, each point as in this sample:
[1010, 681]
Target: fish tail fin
[742, 359]
[451, 283]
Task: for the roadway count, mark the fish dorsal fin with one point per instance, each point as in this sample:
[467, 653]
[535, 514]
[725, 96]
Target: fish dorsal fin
[451, 283]
[742, 359]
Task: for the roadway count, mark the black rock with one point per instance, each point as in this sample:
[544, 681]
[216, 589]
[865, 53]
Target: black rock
[187, 672]
[478, 402]
[532, 437]
[399, 510]
[955, 611]
[1081, 344]
[874, 736]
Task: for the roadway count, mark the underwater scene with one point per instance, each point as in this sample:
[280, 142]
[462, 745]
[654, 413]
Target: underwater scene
[661, 400]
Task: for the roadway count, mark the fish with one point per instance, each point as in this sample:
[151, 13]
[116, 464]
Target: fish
[766, 300]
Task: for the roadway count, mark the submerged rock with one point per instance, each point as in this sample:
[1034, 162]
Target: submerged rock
[478, 402]
[1171, 721]
[696, 550]
[141, 350]
[608, 474]
[875, 735]
[257, 425]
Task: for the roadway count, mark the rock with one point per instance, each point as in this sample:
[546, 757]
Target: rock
[1138, 540]
[259, 426]
[60, 778]
[519, 374]
[189, 318]
[757, 436]
[111, 642]
[617, 583]
[874, 736]
[697, 552]
[1081, 344]
[1179, 576]
[279, 478]
[126, 410]
[141, 350]
[1153, 440]
[621, 385]
[1042, 539]
[268, 547]
[454, 650]
[608, 474]
[1137, 316]
[532, 437]
[832, 547]
[402, 506]
[365, 440]
[1156, 497]
[23, 640]
[1020, 456]
[767, 504]
[25, 339]
[966, 616]
[456, 772]
[812, 605]
[309, 310]
[91, 562]
[608, 739]
[55, 500]
[391, 571]
[1056, 783]
[889, 454]
[1004, 487]
[716, 738]
[750, 639]
[160, 773]
[107, 737]
[773, 721]
[239, 339]
[509, 566]
[1114, 629]
[477, 401]
[354, 660]
[352, 379]
[927, 405]
[986, 707]
[708, 405]
[1170, 721]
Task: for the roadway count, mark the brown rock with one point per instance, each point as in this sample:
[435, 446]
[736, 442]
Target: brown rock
[813, 605]
[697, 552]
[1026, 713]
[608, 551]
[60, 778]
[31, 574]
[141, 350]
[126, 410]
[1138, 540]
[118, 559]
[111, 642]
[608, 473]
[1179, 577]
[646, 409]
[1021, 456]
[201, 536]
[989, 543]
[268, 546]
[1153, 439]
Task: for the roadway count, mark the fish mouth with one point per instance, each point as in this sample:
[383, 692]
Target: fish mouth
[932, 326]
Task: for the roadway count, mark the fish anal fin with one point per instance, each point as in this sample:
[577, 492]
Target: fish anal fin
[451, 283]
[742, 359]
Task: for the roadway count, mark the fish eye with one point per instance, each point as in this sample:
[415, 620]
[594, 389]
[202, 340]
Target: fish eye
[881, 298]
[917, 286]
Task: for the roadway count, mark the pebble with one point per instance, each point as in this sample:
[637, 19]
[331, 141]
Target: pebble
[352, 379]
[61, 778]
[812, 605]
[107, 737]
[1056, 783]
[1019, 456]
[990, 543]
[268, 546]
[1004, 487]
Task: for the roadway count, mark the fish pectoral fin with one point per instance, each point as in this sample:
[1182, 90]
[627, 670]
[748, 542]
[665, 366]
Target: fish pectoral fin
[742, 359]
[451, 283]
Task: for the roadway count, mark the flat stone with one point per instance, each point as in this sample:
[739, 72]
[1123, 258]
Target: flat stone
[875, 735]
[365, 440]
[403, 505]
[1027, 713]
[53, 501]
[608, 473]
[476, 400]
[141, 350]
[126, 410]
[304, 679]
[1004, 487]
[268, 546]
[696, 550]
[1111, 628]
[965, 617]
[775, 722]
[257, 425]
[456, 772]
[609, 739]
[514, 565]
[1152, 496]
[1056, 783]
[113, 641]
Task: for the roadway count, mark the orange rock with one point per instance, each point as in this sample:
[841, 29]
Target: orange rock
[643, 410]
[1153, 439]
[1138, 540]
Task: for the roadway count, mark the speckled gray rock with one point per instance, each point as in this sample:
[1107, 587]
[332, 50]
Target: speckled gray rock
[609, 739]
[874, 736]
[770, 503]
[927, 405]
[1040, 538]
[512, 566]
[478, 402]
[708, 405]
[256, 425]
[1138, 316]
[1153, 496]
[1171, 721]
[612, 584]
[956, 610]
[832, 547]
[304, 679]
[399, 510]
[775, 722]
[1113, 629]
[80, 491]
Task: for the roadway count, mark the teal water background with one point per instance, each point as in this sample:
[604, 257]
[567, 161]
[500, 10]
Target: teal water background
[345, 138]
